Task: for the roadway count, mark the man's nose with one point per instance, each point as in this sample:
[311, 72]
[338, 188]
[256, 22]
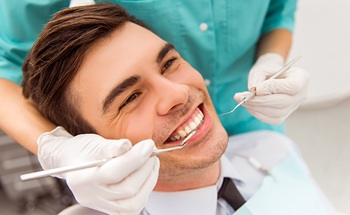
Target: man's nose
[171, 95]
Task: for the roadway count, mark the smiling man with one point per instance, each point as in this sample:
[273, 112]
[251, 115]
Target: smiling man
[95, 69]
[145, 90]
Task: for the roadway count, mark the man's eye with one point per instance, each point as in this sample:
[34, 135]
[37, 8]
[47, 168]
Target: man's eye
[168, 64]
[130, 99]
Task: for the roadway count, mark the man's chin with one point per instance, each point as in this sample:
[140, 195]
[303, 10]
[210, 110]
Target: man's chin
[201, 159]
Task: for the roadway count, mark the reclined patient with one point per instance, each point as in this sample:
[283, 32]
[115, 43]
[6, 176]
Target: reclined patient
[96, 69]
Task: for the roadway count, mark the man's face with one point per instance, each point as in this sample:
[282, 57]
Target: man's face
[134, 85]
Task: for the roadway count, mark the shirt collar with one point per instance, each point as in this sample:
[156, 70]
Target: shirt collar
[228, 170]
[188, 200]
[183, 202]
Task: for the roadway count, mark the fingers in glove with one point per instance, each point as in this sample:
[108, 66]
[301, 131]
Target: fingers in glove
[271, 115]
[266, 65]
[114, 148]
[58, 148]
[275, 101]
[135, 202]
[238, 97]
[131, 185]
[96, 147]
[260, 74]
[91, 189]
[291, 82]
[120, 167]
[59, 131]
[278, 101]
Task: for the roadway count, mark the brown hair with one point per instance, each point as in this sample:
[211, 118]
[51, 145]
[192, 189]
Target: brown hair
[57, 55]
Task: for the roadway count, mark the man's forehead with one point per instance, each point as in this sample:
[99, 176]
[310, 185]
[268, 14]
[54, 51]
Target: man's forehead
[128, 45]
[124, 54]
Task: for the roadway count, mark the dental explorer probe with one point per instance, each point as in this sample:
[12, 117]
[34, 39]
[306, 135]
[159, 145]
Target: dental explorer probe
[253, 92]
[45, 173]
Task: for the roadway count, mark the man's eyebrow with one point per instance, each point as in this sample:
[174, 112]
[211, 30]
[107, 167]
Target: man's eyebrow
[165, 49]
[117, 90]
[132, 80]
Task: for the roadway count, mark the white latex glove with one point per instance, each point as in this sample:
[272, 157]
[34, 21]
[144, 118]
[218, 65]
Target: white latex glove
[275, 99]
[120, 186]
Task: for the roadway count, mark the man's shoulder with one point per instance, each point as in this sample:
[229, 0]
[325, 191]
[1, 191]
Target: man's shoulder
[268, 147]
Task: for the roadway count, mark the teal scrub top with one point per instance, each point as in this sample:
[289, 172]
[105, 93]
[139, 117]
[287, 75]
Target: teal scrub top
[217, 37]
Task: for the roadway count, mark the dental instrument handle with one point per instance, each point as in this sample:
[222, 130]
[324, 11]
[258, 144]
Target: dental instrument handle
[284, 68]
[41, 174]
[60, 170]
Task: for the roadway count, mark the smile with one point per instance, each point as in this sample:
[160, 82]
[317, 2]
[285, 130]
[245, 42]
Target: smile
[192, 124]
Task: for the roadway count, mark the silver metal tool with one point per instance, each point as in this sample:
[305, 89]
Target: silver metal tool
[253, 92]
[45, 173]
[257, 165]
[182, 144]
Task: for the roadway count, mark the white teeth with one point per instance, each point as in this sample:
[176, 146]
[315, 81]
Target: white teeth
[197, 120]
[189, 128]
[182, 133]
[193, 125]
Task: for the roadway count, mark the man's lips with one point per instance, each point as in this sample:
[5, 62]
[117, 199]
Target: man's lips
[186, 128]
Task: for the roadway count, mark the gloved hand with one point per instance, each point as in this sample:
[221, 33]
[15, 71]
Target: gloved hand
[120, 186]
[275, 99]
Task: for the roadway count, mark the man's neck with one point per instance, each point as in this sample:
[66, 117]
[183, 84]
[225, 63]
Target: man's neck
[193, 180]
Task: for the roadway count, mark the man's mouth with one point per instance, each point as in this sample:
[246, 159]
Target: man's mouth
[192, 124]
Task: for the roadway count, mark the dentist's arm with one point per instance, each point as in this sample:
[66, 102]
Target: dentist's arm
[275, 99]
[21, 22]
[18, 118]
[278, 41]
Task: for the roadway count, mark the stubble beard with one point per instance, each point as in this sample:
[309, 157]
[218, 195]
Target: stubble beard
[173, 169]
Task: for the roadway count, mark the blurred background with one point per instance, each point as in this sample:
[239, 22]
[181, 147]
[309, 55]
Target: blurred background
[321, 126]
[44, 196]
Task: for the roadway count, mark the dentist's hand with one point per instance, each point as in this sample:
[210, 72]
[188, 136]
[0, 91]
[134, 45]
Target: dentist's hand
[120, 186]
[275, 99]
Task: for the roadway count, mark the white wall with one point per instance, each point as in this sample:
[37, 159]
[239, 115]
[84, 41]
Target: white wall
[322, 37]
[80, 2]
[321, 127]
